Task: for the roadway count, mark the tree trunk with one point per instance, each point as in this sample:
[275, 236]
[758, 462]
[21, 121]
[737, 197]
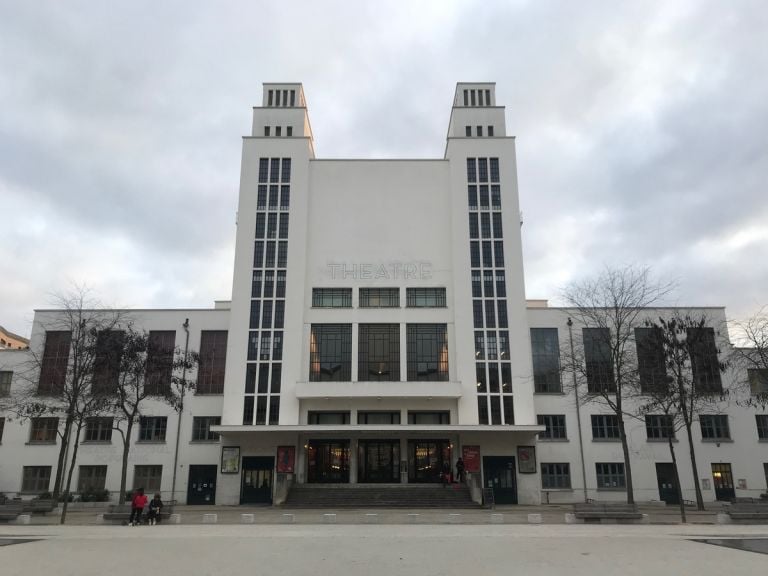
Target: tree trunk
[677, 480]
[126, 450]
[62, 453]
[627, 465]
[69, 476]
[694, 468]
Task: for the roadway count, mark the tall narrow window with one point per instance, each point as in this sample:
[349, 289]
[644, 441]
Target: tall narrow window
[160, 361]
[650, 359]
[704, 361]
[53, 372]
[494, 168]
[330, 352]
[466, 97]
[270, 98]
[479, 131]
[289, 131]
[471, 170]
[213, 359]
[266, 130]
[545, 349]
[293, 98]
[284, 225]
[379, 352]
[286, 175]
[278, 131]
[427, 352]
[599, 364]
[106, 363]
[263, 169]
[490, 131]
[152, 428]
[468, 131]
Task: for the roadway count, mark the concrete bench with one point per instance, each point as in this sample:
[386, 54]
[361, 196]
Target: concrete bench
[9, 512]
[606, 511]
[39, 506]
[121, 513]
[754, 510]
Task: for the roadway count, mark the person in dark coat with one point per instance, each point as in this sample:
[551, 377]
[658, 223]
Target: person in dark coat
[460, 469]
[155, 509]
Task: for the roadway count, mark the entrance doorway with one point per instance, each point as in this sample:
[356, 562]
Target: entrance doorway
[328, 461]
[201, 488]
[378, 461]
[665, 476]
[257, 480]
[723, 481]
[427, 458]
[499, 474]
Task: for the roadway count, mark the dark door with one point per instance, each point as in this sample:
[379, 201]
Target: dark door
[258, 472]
[723, 480]
[378, 461]
[665, 476]
[201, 488]
[427, 459]
[328, 461]
[499, 475]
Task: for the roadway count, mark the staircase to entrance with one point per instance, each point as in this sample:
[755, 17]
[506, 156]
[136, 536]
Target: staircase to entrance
[379, 496]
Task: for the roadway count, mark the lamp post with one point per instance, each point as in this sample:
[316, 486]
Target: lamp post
[578, 409]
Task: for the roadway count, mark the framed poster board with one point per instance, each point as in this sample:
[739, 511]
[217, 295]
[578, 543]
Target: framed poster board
[471, 457]
[230, 459]
[286, 459]
[526, 459]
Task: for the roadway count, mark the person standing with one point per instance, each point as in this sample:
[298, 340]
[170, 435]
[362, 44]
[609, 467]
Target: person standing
[460, 469]
[138, 503]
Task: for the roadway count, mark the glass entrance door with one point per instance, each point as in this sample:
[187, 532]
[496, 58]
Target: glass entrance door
[427, 458]
[328, 461]
[723, 480]
[378, 461]
[257, 480]
[499, 475]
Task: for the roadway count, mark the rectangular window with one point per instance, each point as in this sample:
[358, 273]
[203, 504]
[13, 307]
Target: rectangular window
[270, 94]
[98, 430]
[762, 426]
[152, 428]
[255, 314]
[487, 97]
[485, 226]
[285, 197]
[479, 131]
[269, 255]
[282, 254]
[427, 352]
[472, 97]
[474, 253]
[501, 284]
[330, 353]
[495, 410]
[610, 475]
[479, 346]
[555, 424]
[555, 476]
[280, 288]
[274, 410]
[213, 360]
[496, 196]
[331, 297]
[477, 286]
[599, 364]
[493, 377]
[289, 131]
[498, 250]
[327, 418]
[266, 130]
[466, 97]
[53, 372]
[379, 298]
[379, 352]
[269, 283]
[471, 170]
[714, 427]
[704, 361]
[271, 225]
[91, 478]
[480, 97]
[504, 345]
[283, 226]
[490, 314]
[266, 315]
[277, 346]
[2, 427]
[758, 381]
[501, 306]
[429, 418]
[278, 130]
[148, 477]
[474, 231]
[494, 168]
[425, 297]
[106, 361]
[477, 313]
[274, 169]
[248, 411]
[468, 131]
[261, 225]
[273, 188]
[275, 381]
[509, 409]
[5, 382]
[279, 313]
[160, 350]
[263, 169]
[483, 169]
[261, 197]
[497, 231]
[36, 479]
[659, 427]
[286, 172]
[605, 427]
[293, 98]
[201, 428]
[490, 131]
[545, 350]
[43, 430]
[484, 196]
[487, 255]
[256, 284]
[650, 359]
[266, 346]
[378, 417]
[258, 254]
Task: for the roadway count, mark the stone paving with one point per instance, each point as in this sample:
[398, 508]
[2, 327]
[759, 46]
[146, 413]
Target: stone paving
[425, 550]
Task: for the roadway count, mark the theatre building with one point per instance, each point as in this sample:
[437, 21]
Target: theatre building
[378, 330]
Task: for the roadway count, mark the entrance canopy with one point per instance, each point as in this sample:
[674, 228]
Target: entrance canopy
[379, 430]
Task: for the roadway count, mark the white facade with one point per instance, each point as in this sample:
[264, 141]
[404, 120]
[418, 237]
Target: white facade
[351, 225]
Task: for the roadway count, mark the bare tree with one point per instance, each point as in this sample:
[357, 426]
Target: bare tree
[680, 379]
[608, 307]
[750, 357]
[151, 367]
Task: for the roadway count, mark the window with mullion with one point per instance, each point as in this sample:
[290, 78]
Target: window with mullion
[762, 426]
[705, 364]
[545, 350]
[331, 297]
[36, 479]
[610, 475]
[152, 428]
[427, 352]
[379, 297]
[379, 352]
[98, 430]
[425, 297]
[650, 359]
[555, 424]
[160, 351]
[212, 363]
[556, 476]
[91, 478]
[201, 428]
[5, 382]
[659, 427]
[714, 427]
[605, 427]
[599, 363]
[330, 353]
[43, 430]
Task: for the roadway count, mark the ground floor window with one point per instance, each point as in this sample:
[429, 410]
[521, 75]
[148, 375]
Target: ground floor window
[36, 479]
[378, 461]
[91, 478]
[555, 475]
[148, 477]
[610, 475]
[328, 461]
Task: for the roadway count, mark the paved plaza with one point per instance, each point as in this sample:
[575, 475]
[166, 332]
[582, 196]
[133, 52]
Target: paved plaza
[423, 550]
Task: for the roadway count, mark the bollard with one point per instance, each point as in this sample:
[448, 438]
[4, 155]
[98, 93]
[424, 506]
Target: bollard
[329, 518]
[247, 518]
[175, 519]
[570, 518]
[722, 518]
[534, 518]
[23, 519]
[497, 518]
[454, 518]
[413, 518]
[210, 518]
[289, 518]
[99, 518]
[371, 518]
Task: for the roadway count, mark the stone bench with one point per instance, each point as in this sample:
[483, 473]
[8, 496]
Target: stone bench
[9, 512]
[755, 510]
[39, 506]
[598, 511]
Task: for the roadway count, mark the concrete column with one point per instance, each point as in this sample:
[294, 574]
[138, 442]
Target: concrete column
[353, 460]
[403, 457]
[301, 460]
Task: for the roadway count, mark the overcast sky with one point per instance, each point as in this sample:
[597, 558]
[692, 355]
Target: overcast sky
[642, 133]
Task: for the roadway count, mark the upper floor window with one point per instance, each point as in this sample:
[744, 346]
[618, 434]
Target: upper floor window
[161, 347]
[425, 297]
[714, 427]
[555, 424]
[98, 429]
[758, 381]
[43, 430]
[427, 352]
[266, 130]
[659, 426]
[494, 167]
[762, 426]
[213, 360]
[429, 418]
[330, 353]
[378, 417]
[471, 170]
[5, 382]
[201, 428]
[490, 131]
[704, 361]
[468, 131]
[650, 359]
[599, 364]
[379, 297]
[332, 297]
[106, 362]
[91, 478]
[379, 352]
[289, 131]
[545, 349]
[326, 418]
[152, 428]
[263, 170]
[53, 372]
[605, 427]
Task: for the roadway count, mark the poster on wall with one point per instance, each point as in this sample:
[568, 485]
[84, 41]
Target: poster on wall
[230, 459]
[286, 459]
[526, 459]
[471, 457]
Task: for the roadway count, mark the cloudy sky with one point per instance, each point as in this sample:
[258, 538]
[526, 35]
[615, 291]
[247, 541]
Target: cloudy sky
[642, 132]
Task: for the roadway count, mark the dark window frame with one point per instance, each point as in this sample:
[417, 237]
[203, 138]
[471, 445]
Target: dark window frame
[430, 364]
[330, 353]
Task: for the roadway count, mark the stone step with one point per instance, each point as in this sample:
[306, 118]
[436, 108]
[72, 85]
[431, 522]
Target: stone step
[378, 496]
